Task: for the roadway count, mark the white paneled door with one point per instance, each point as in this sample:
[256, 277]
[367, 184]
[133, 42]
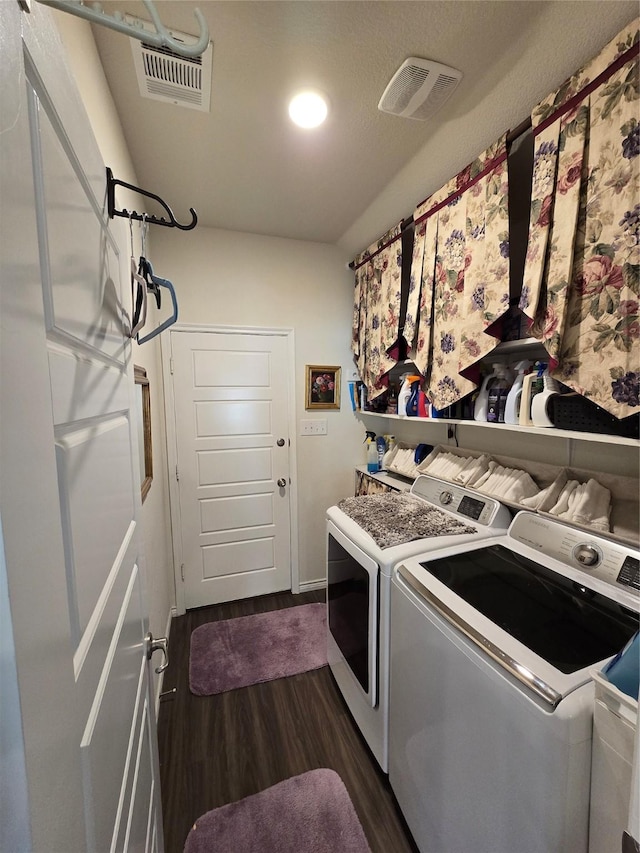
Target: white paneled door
[231, 409]
[70, 486]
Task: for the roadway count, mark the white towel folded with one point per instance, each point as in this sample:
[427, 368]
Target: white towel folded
[473, 470]
[508, 484]
[590, 506]
[479, 483]
[523, 486]
[562, 504]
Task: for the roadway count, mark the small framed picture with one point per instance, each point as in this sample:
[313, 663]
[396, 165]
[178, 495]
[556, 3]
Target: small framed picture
[322, 387]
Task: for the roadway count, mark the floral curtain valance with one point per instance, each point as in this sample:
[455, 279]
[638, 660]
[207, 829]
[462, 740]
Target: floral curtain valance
[376, 312]
[459, 285]
[580, 286]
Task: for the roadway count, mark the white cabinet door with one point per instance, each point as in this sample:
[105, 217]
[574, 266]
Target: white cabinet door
[231, 411]
[70, 493]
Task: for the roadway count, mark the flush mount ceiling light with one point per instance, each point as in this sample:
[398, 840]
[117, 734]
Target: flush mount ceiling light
[308, 109]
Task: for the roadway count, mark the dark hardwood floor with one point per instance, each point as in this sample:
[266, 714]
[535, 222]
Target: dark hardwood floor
[218, 749]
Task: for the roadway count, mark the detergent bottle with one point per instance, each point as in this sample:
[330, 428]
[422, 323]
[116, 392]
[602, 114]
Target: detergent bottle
[532, 385]
[482, 400]
[497, 396]
[550, 388]
[403, 396]
[412, 402]
[512, 406]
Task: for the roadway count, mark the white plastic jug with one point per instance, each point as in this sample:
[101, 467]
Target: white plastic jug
[482, 400]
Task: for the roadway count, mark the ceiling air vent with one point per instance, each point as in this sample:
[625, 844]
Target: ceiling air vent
[165, 76]
[419, 88]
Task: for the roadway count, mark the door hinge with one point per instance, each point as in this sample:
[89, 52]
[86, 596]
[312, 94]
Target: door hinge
[171, 365]
[182, 571]
[177, 475]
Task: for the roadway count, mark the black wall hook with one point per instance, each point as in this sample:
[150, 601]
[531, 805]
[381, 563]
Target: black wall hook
[154, 220]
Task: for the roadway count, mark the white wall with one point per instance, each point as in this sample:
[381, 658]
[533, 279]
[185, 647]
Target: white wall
[85, 64]
[234, 279]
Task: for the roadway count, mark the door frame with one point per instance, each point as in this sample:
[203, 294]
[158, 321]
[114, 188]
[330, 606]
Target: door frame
[172, 444]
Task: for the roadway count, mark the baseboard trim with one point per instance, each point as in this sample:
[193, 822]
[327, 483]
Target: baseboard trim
[309, 586]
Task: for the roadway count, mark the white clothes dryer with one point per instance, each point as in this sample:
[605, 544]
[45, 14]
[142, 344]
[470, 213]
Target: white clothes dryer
[359, 582]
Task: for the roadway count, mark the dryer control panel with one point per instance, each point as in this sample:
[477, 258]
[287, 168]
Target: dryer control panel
[483, 509]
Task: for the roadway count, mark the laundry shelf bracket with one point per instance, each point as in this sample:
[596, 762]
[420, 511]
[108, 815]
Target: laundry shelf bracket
[133, 27]
[152, 220]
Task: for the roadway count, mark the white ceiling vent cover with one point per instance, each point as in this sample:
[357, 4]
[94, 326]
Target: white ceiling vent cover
[165, 76]
[419, 88]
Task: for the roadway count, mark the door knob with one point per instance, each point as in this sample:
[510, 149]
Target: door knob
[152, 645]
[280, 442]
[282, 482]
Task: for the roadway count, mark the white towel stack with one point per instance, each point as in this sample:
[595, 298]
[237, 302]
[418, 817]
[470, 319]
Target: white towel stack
[588, 504]
[474, 469]
[444, 465]
[508, 484]
[404, 462]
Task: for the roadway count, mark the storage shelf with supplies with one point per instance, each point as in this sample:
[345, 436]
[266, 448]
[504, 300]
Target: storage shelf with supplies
[551, 432]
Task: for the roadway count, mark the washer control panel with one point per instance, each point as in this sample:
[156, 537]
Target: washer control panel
[612, 563]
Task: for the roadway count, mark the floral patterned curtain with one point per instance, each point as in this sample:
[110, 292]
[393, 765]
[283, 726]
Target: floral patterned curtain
[376, 311]
[580, 286]
[459, 287]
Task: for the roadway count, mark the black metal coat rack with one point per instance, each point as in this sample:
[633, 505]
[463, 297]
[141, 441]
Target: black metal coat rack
[171, 222]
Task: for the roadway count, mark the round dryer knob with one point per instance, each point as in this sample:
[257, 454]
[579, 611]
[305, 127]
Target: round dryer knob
[445, 498]
[587, 555]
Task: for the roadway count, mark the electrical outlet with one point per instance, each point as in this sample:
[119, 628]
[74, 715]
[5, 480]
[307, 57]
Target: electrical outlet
[316, 426]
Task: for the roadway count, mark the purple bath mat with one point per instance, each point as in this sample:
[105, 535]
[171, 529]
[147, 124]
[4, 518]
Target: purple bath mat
[310, 813]
[251, 649]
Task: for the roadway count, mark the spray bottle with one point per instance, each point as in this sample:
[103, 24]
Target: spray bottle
[372, 452]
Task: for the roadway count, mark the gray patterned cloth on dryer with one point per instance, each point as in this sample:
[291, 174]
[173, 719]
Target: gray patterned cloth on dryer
[393, 519]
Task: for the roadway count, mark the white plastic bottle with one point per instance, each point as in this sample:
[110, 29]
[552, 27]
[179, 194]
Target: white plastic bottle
[482, 400]
[512, 407]
[531, 387]
[550, 388]
[403, 396]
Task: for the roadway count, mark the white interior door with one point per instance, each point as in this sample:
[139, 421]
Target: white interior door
[231, 409]
[68, 465]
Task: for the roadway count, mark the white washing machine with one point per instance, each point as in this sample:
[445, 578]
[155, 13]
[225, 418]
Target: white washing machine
[491, 701]
[359, 579]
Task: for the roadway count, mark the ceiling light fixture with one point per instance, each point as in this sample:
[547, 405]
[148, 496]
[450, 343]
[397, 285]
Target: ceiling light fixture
[308, 109]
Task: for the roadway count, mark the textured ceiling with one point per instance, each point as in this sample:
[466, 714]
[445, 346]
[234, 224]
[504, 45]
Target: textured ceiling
[245, 167]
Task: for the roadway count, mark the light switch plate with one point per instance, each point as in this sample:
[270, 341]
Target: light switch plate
[316, 426]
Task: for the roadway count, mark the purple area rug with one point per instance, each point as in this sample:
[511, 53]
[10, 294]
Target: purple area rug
[310, 813]
[251, 649]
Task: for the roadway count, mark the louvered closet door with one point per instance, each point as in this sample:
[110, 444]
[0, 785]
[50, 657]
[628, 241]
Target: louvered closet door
[70, 482]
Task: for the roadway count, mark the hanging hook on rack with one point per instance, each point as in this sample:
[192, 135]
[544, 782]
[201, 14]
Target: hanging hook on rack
[161, 38]
[153, 220]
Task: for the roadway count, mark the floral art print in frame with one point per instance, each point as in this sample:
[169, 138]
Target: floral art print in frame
[322, 387]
